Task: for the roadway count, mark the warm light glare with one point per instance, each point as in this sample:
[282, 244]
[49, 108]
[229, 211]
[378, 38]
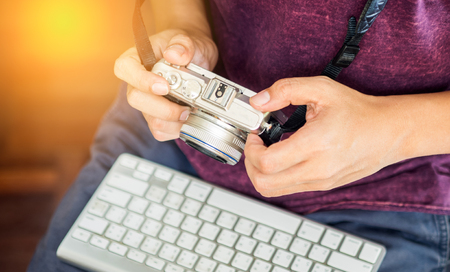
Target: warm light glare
[61, 30]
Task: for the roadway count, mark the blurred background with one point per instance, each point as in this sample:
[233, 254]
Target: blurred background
[56, 82]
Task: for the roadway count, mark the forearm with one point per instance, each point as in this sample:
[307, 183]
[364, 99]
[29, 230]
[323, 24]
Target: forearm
[425, 123]
[189, 15]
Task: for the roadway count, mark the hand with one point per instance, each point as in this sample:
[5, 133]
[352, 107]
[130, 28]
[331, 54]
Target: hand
[145, 89]
[348, 135]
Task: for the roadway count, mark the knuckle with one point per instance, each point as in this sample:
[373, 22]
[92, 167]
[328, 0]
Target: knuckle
[284, 87]
[132, 96]
[266, 164]
[157, 124]
[324, 81]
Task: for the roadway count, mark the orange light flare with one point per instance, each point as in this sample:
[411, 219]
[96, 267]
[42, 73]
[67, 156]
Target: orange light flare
[57, 32]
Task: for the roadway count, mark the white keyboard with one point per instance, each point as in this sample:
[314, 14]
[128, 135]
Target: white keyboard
[147, 217]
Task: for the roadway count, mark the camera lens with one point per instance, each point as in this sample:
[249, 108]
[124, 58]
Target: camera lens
[205, 151]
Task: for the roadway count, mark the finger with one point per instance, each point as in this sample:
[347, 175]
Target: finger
[128, 67]
[277, 157]
[156, 106]
[295, 91]
[163, 130]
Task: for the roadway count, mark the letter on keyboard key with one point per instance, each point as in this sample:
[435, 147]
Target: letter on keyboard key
[155, 193]
[346, 263]
[283, 258]
[263, 233]
[169, 252]
[118, 249]
[260, 266]
[310, 231]
[138, 205]
[264, 251]
[227, 220]
[151, 227]
[209, 231]
[178, 184]
[245, 226]
[173, 268]
[205, 247]
[301, 264]
[224, 268]
[136, 256]
[163, 174]
[133, 239]
[281, 240]
[191, 207]
[151, 245]
[114, 196]
[223, 254]
[198, 191]
[242, 261]
[187, 241]
[93, 224]
[81, 235]
[350, 246]
[279, 269]
[205, 265]
[187, 259]
[99, 242]
[370, 253]
[319, 253]
[331, 239]
[145, 168]
[300, 246]
[128, 184]
[115, 232]
[155, 262]
[98, 208]
[321, 268]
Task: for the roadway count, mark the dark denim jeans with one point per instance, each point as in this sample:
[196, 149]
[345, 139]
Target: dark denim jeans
[414, 241]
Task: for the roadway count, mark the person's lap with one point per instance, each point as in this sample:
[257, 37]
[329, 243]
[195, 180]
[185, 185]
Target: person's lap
[414, 241]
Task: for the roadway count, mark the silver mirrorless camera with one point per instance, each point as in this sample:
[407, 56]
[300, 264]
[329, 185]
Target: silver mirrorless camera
[221, 117]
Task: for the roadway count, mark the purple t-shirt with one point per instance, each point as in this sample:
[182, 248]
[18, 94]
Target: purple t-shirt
[406, 51]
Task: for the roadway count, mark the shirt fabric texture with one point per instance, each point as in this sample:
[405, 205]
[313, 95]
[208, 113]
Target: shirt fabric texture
[406, 51]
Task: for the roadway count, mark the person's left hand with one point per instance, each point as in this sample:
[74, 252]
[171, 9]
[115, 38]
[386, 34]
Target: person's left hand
[348, 135]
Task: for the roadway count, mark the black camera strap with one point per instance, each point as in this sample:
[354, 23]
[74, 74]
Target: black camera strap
[343, 59]
[345, 56]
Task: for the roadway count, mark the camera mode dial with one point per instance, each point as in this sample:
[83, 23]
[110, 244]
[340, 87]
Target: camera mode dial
[191, 89]
[174, 80]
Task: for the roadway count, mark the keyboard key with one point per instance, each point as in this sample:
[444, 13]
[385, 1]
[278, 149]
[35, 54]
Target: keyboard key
[281, 240]
[81, 235]
[321, 268]
[93, 223]
[332, 239]
[151, 245]
[114, 196]
[133, 221]
[145, 168]
[209, 213]
[169, 252]
[246, 244]
[311, 231]
[191, 207]
[254, 211]
[245, 226]
[279, 269]
[169, 234]
[346, 263]
[350, 246]
[178, 184]
[300, 246]
[151, 227]
[227, 238]
[155, 211]
[173, 200]
[118, 249]
[128, 184]
[163, 174]
[98, 208]
[301, 264]
[116, 214]
[227, 220]
[319, 253]
[138, 205]
[187, 259]
[191, 224]
[133, 239]
[136, 256]
[205, 247]
[155, 194]
[187, 241]
[205, 265]
[370, 253]
[173, 268]
[155, 263]
[140, 175]
[263, 233]
[128, 162]
[223, 254]
[198, 191]
[283, 258]
[173, 218]
[115, 232]
[242, 261]
[209, 231]
[264, 251]
[99, 242]
[260, 266]
[224, 268]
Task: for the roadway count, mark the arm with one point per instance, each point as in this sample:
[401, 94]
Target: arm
[183, 36]
[348, 135]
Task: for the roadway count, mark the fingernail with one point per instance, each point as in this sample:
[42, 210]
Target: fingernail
[160, 88]
[261, 98]
[179, 49]
[184, 115]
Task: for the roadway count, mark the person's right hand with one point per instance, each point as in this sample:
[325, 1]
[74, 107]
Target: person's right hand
[145, 89]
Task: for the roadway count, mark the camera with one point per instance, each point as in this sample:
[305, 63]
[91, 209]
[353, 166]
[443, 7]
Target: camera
[221, 116]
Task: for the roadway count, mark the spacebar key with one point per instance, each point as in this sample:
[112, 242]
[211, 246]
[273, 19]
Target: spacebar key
[254, 210]
[347, 263]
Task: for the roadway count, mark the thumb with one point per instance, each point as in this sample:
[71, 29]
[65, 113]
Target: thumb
[284, 92]
[180, 50]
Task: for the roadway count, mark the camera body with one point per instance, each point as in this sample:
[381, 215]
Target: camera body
[221, 117]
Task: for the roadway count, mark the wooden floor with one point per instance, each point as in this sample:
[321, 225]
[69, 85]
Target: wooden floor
[56, 82]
